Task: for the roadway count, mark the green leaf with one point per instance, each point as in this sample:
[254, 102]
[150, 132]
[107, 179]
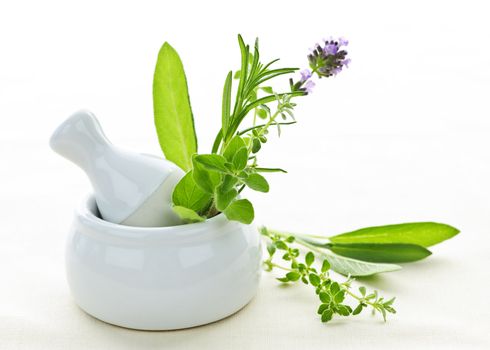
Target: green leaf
[322, 308]
[327, 315]
[261, 113]
[224, 198]
[228, 183]
[232, 148]
[257, 182]
[226, 103]
[188, 215]
[267, 89]
[325, 265]
[206, 179]
[271, 248]
[281, 245]
[240, 159]
[314, 279]
[362, 289]
[256, 145]
[325, 297]
[334, 288]
[240, 210]
[214, 162]
[357, 310]
[270, 170]
[172, 110]
[353, 267]
[425, 234]
[339, 297]
[189, 195]
[309, 258]
[384, 253]
[293, 276]
[344, 310]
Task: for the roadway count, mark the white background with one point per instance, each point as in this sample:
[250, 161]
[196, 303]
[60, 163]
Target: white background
[402, 135]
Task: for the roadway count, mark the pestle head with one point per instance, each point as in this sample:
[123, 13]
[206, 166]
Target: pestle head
[77, 137]
[129, 188]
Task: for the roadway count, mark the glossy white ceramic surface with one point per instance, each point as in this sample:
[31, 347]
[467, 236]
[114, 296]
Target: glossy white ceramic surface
[124, 182]
[161, 278]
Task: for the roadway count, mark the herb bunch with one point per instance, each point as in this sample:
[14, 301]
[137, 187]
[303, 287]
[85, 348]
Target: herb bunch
[216, 180]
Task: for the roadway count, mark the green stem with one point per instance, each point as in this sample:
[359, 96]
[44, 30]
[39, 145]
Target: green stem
[281, 267]
[262, 125]
[298, 240]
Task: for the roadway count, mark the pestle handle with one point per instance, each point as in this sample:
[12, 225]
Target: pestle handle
[80, 139]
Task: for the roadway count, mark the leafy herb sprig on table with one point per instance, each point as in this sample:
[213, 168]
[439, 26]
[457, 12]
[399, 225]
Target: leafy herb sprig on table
[214, 181]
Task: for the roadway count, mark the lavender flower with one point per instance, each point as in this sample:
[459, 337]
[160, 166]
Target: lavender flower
[309, 85]
[329, 59]
[343, 42]
[331, 49]
[325, 60]
[305, 74]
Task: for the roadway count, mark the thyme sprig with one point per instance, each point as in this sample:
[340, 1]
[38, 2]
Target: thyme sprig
[331, 294]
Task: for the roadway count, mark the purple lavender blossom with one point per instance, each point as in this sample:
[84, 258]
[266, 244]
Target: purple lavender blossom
[329, 59]
[331, 48]
[326, 60]
[343, 42]
[337, 70]
[310, 84]
[305, 74]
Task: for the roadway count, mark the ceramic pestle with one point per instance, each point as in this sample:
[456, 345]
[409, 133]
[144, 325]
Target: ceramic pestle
[130, 188]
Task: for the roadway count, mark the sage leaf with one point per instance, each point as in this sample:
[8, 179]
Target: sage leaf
[347, 266]
[206, 179]
[224, 198]
[240, 210]
[189, 195]
[257, 182]
[425, 234]
[212, 162]
[240, 159]
[235, 144]
[188, 215]
[172, 109]
[384, 253]
[228, 183]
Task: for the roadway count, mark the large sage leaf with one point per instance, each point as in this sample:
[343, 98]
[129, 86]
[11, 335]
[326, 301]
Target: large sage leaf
[240, 210]
[383, 253]
[189, 195]
[353, 267]
[172, 110]
[425, 234]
